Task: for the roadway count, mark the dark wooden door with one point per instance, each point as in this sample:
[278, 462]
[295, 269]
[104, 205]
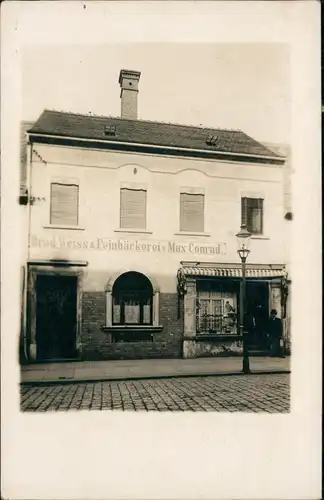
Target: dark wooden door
[257, 306]
[56, 316]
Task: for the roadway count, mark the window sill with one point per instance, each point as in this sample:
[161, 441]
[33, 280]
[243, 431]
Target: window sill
[130, 230]
[191, 233]
[205, 337]
[57, 226]
[137, 328]
[259, 237]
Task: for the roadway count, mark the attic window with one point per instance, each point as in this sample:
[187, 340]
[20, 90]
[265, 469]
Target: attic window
[110, 130]
[211, 140]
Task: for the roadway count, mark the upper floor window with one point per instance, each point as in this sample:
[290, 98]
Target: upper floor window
[64, 210]
[252, 214]
[192, 207]
[132, 208]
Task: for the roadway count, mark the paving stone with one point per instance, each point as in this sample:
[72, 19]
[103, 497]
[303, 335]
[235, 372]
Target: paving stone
[259, 393]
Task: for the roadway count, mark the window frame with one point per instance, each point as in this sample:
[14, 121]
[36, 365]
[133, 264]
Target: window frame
[135, 189]
[245, 200]
[191, 192]
[140, 296]
[207, 300]
[155, 326]
[70, 184]
[141, 305]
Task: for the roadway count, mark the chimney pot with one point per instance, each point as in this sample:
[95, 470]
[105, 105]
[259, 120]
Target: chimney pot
[128, 81]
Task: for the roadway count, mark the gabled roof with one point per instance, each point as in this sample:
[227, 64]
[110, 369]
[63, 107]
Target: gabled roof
[279, 148]
[149, 133]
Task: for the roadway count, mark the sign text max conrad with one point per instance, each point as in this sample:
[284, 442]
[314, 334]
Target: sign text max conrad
[123, 245]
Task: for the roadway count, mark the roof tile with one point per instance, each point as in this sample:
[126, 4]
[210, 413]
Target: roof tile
[147, 133]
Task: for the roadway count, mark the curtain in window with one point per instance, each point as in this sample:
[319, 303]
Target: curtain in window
[147, 314]
[256, 220]
[116, 313]
[252, 214]
[192, 212]
[132, 312]
[132, 208]
[64, 204]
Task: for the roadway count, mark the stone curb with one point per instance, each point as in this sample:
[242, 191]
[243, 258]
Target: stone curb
[121, 378]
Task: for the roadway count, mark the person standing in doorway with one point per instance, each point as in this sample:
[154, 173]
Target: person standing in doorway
[275, 331]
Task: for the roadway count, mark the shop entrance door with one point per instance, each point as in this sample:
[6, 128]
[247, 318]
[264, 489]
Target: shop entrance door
[257, 307]
[56, 298]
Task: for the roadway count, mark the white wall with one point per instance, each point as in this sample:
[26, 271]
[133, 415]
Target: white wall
[100, 174]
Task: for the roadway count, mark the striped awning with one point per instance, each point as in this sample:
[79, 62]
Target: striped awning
[233, 271]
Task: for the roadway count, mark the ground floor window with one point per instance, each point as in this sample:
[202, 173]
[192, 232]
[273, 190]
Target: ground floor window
[218, 309]
[216, 312]
[132, 307]
[132, 300]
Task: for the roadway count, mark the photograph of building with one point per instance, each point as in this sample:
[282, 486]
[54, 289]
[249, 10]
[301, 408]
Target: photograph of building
[161, 292]
[131, 232]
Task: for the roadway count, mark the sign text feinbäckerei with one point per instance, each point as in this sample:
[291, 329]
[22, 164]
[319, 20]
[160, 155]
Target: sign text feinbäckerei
[124, 245]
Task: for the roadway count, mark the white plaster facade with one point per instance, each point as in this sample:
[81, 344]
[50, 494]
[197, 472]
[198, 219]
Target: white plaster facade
[101, 174]
[106, 250]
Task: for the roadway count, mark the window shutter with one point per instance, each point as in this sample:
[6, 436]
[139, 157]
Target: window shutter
[64, 204]
[260, 215]
[132, 208]
[249, 214]
[244, 211]
[192, 212]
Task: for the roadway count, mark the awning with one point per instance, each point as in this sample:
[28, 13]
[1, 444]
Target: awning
[233, 271]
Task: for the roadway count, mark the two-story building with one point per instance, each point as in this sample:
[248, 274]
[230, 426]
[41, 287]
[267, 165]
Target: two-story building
[130, 236]
[286, 151]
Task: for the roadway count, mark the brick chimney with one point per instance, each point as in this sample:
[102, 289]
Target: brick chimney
[128, 81]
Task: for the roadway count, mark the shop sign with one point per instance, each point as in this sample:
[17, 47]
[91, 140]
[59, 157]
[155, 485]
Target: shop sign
[134, 246]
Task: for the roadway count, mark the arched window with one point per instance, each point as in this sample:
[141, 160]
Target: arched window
[132, 300]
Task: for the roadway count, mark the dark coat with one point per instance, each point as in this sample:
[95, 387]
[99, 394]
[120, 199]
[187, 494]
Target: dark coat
[275, 327]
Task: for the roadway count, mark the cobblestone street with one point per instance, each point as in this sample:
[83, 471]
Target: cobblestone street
[257, 393]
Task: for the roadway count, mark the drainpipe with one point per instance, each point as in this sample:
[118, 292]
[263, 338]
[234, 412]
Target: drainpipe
[22, 314]
[25, 279]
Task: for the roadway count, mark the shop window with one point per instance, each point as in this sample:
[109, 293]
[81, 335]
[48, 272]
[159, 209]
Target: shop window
[64, 206]
[252, 214]
[132, 300]
[133, 208]
[216, 312]
[192, 208]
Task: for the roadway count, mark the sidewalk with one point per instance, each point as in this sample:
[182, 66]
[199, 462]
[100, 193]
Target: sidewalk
[89, 371]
